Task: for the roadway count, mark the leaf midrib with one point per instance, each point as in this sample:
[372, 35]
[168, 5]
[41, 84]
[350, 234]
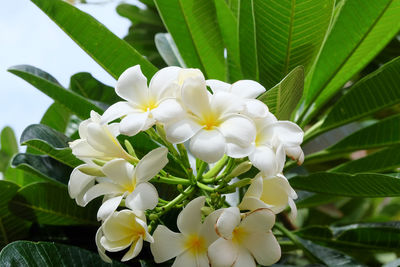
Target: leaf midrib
[289, 42]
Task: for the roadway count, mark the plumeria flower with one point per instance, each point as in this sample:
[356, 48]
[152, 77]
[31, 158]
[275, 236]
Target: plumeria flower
[123, 229]
[190, 246]
[247, 90]
[212, 122]
[144, 104]
[123, 180]
[244, 242]
[98, 141]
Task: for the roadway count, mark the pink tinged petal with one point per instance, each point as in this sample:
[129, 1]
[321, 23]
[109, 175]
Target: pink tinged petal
[208, 145]
[264, 159]
[207, 230]
[78, 181]
[116, 111]
[101, 189]
[120, 171]
[244, 258]
[288, 132]
[167, 244]
[133, 123]
[132, 85]
[218, 86]
[181, 131]
[295, 153]
[247, 89]
[135, 249]
[144, 197]
[189, 219]
[168, 110]
[264, 247]
[239, 130]
[151, 164]
[260, 220]
[235, 151]
[227, 222]
[222, 253]
[164, 82]
[226, 104]
[195, 95]
[108, 207]
[100, 248]
[256, 109]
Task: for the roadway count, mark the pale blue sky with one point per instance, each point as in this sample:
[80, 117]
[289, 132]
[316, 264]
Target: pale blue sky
[28, 36]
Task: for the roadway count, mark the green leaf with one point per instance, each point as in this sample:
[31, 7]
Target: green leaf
[341, 184]
[22, 178]
[45, 167]
[9, 144]
[284, 97]
[286, 33]
[138, 15]
[192, 26]
[376, 24]
[230, 35]
[11, 227]
[86, 85]
[56, 117]
[49, 203]
[384, 160]
[168, 50]
[112, 53]
[383, 133]
[50, 142]
[379, 90]
[314, 200]
[70, 100]
[50, 254]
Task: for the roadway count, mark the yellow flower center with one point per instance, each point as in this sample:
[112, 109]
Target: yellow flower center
[210, 120]
[151, 104]
[238, 234]
[196, 244]
[130, 186]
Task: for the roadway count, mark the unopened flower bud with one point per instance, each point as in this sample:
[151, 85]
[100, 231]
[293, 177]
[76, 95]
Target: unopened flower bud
[153, 217]
[92, 171]
[240, 169]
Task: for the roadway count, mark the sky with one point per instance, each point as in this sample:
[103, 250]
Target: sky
[28, 36]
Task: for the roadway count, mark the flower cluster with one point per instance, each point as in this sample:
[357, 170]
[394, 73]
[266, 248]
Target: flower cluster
[226, 129]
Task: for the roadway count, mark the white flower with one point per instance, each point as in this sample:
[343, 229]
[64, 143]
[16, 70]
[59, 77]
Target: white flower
[119, 231]
[190, 246]
[242, 242]
[144, 105]
[212, 122]
[98, 141]
[124, 180]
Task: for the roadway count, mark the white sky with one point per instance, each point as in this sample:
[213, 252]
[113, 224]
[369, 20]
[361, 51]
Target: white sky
[28, 36]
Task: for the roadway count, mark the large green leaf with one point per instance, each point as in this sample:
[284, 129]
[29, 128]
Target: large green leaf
[86, 85]
[21, 177]
[9, 147]
[56, 117]
[42, 166]
[284, 97]
[363, 236]
[384, 160]
[27, 253]
[50, 142]
[377, 91]
[341, 184]
[286, 33]
[49, 203]
[112, 53]
[192, 26]
[70, 100]
[11, 227]
[351, 45]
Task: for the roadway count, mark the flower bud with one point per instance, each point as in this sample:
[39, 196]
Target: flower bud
[240, 169]
[92, 171]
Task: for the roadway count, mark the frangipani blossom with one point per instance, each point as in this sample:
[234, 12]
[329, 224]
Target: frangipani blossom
[212, 122]
[244, 242]
[124, 180]
[190, 246]
[98, 141]
[144, 104]
[119, 231]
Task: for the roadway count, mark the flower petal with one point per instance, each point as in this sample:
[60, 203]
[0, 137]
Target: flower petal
[101, 139]
[168, 110]
[164, 82]
[207, 230]
[264, 159]
[258, 221]
[222, 253]
[247, 89]
[264, 247]
[116, 111]
[252, 203]
[78, 181]
[133, 123]
[151, 164]
[239, 130]
[132, 85]
[82, 150]
[101, 189]
[254, 108]
[226, 104]
[208, 146]
[187, 258]
[189, 219]
[144, 197]
[119, 170]
[195, 96]
[255, 188]
[114, 246]
[227, 222]
[181, 130]
[119, 225]
[100, 248]
[135, 249]
[288, 132]
[275, 193]
[108, 207]
[244, 258]
[235, 151]
[167, 244]
[218, 86]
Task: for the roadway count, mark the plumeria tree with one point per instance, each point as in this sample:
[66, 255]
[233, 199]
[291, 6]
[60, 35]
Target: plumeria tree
[268, 134]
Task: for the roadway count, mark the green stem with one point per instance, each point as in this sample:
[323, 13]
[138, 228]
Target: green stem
[216, 169]
[184, 155]
[205, 187]
[181, 197]
[170, 180]
[201, 169]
